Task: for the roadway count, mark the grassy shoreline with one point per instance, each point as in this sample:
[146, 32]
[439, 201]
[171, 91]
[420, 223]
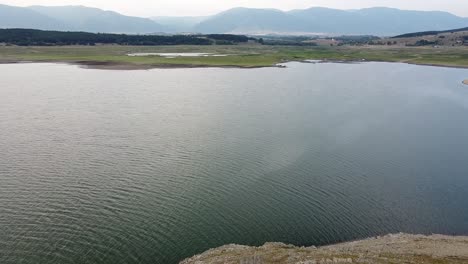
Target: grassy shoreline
[240, 56]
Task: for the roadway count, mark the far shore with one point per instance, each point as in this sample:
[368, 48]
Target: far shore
[99, 65]
[112, 65]
[246, 56]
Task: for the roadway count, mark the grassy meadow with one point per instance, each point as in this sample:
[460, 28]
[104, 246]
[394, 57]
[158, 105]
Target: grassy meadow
[239, 55]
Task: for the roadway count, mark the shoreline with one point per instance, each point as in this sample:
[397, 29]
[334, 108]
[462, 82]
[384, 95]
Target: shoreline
[244, 56]
[105, 65]
[111, 65]
[402, 61]
[436, 65]
[393, 248]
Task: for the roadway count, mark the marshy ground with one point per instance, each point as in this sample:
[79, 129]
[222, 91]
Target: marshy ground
[244, 56]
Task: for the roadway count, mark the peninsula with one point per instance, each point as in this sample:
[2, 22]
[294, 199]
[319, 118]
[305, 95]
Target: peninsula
[395, 248]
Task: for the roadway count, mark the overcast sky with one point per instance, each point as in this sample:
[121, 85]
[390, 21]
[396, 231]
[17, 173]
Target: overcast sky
[148, 8]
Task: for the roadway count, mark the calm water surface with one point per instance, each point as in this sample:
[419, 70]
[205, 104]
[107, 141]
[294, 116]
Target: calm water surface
[154, 166]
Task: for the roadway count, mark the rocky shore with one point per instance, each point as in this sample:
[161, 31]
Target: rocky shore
[395, 248]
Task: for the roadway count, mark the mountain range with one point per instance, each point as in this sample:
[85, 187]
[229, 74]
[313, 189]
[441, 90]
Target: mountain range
[379, 21]
[74, 18]
[369, 21]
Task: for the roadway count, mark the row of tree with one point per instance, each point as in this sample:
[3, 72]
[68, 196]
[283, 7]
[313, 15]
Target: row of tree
[426, 33]
[31, 37]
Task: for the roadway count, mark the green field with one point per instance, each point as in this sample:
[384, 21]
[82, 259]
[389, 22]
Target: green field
[239, 55]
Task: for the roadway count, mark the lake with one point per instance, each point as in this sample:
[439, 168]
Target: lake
[101, 166]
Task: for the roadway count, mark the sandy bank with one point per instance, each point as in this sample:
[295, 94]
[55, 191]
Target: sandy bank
[398, 248]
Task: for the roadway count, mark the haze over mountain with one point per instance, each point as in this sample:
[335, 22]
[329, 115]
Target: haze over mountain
[179, 24]
[74, 18]
[19, 17]
[372, 21]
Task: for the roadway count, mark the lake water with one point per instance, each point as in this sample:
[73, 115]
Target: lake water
[100, 166]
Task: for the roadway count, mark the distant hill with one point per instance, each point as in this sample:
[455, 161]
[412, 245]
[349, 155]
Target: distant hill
[453, 37]
[249, 20]
[378, 21]
[97, 20]
[369, 21]
[19, 17]
[179, 24]
[429, 33]
[74, 18]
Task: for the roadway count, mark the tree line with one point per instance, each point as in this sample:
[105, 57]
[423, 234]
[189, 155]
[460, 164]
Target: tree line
[426, 33]
[32, 37]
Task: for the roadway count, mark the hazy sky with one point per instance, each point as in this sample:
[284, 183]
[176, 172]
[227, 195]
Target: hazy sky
[207, 7]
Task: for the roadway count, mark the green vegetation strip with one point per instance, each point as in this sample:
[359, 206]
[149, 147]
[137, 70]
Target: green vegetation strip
[240, 55]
